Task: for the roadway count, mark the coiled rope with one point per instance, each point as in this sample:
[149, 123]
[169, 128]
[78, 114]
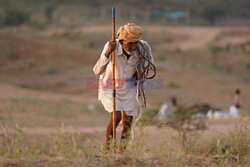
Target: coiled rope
[143, 69]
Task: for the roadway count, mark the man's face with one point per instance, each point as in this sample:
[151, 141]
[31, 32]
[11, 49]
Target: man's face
[129, 46]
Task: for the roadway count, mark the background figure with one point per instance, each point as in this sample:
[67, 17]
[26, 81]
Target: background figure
[237, 99]
[167, 111]
[234, 110]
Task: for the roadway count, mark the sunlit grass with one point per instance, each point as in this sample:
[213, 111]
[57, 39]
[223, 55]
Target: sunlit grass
[71, 148]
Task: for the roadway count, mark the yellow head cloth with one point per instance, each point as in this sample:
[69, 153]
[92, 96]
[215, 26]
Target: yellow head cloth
[130, 32]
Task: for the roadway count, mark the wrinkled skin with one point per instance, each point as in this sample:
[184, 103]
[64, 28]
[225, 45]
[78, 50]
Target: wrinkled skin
[127, 46]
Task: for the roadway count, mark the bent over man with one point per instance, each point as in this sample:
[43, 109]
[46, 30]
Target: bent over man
[128, 68]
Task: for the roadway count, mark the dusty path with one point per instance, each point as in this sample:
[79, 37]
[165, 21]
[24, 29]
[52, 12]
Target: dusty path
[187, 37]
[9, 91]
[214, 91]
[153, 135]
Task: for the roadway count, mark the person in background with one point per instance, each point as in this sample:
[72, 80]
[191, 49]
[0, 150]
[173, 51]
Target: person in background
[234, 110]
[237, 99]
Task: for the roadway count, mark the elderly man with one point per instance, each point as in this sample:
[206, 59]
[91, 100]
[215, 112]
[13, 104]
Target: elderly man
[127, 65]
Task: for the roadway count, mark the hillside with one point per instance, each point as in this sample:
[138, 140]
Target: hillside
[48, 117]
[59, 60]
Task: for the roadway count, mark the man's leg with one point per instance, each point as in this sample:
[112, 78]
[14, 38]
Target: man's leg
[127, 122]
[109, 133]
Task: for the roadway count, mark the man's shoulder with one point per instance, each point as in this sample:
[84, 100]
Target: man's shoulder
[144, 44]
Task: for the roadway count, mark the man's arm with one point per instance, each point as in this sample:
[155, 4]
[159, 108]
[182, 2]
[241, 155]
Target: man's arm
[103, 61]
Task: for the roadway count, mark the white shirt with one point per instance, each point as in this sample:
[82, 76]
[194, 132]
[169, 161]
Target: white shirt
[124, 71]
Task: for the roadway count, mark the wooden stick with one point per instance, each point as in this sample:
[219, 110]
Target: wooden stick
[113, 79]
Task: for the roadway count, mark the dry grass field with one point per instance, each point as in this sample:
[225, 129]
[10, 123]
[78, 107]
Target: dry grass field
[49, 118]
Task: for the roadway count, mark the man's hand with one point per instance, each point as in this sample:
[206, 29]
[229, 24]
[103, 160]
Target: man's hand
[111, 48]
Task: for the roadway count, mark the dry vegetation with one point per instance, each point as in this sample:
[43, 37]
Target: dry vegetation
[62, 147]
[49, 118]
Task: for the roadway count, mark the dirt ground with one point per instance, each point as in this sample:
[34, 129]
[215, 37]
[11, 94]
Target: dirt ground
[43, 78]
[153, 134]
[190, 37]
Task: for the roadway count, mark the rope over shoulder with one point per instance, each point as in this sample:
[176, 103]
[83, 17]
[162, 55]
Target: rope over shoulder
[145, 64]
[149, 62]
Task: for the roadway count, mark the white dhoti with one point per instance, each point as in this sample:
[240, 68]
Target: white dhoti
[124, 71]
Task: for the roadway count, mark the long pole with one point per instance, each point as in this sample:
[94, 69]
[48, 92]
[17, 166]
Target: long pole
[113, 77]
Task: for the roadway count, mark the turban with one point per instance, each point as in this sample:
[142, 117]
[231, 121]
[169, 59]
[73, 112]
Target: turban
[130, 32]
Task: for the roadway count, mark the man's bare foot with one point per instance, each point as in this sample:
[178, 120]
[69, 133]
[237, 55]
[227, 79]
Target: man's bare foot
[106, 148]
[121, 149]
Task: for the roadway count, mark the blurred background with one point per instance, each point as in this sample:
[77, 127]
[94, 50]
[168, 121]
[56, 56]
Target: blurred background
[49, 47]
